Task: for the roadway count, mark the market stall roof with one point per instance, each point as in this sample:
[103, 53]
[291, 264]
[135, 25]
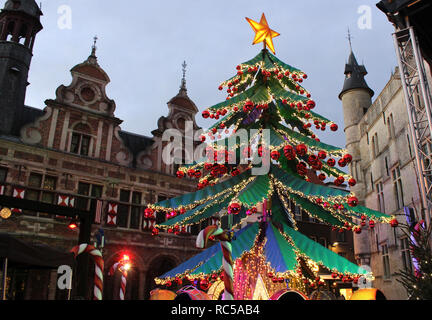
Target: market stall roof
[35, 255]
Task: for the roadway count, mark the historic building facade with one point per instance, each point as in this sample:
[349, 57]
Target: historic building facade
[74, 153]
[378, 137]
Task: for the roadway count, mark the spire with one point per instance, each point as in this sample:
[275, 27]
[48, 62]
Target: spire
[349, 37]
[95, 39]
[354, 73]
[183, 90]
[92, 58]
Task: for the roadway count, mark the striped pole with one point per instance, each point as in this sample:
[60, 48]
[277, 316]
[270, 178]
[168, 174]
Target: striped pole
[119, 266]
[227, 262]
[99, 266]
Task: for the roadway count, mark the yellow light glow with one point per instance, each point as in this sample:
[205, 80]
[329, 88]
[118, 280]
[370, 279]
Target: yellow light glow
[5, 213]
[263, 33]
[127, 266]
[315, 267]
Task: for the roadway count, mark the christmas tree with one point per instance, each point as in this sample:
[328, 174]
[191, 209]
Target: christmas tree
[418, 284]
[276, 165]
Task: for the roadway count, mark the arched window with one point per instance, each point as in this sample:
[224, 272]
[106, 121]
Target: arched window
[158, 267]
[80, 141]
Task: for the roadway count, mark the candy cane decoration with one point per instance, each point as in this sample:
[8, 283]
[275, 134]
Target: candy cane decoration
[225, 240]
[99, 266]
[120, 266]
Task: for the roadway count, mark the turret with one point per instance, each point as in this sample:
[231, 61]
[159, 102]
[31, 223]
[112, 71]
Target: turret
[19, 24]
[356, 98]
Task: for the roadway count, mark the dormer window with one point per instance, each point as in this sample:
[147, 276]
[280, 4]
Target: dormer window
[81, 140]
[80, 144]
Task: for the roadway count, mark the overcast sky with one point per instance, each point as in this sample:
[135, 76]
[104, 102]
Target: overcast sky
[142, 45]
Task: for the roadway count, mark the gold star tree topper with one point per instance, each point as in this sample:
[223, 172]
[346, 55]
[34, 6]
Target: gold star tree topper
[263, 33]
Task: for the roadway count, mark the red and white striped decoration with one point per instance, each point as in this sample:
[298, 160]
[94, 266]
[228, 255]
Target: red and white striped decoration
[112, 213]
[227, 262]
[18, 193]
[99, 266]
[119, 266]
[63, 200]
[149, 223]
[98, 211]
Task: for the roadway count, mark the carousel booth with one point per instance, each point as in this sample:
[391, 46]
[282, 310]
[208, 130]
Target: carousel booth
[266, 267]
[29, 271]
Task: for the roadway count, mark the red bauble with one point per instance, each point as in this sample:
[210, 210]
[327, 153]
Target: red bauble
[148, 213]
[313, 159]
[331, 162]
[204, 284]
[262, 151]
[289, 152]
[301, 169]
[301, 149]
[155, 232]
[222, 125]
[348, 158]
[352, 182]
[197, 174]
[322, 154]
[248, 106]
[205, 114]
[191, 173]
[322, 176]
[284, 101]
[311, 104]
[371, 224]
[234, 208]
[394, 223]
[357, 230]
[352, 201]
[220, 88]
[180, 174]
[334, 127]
[208, 166]
[275, 155]
[342, 162]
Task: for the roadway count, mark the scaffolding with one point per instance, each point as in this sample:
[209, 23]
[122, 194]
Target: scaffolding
[418, 102]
